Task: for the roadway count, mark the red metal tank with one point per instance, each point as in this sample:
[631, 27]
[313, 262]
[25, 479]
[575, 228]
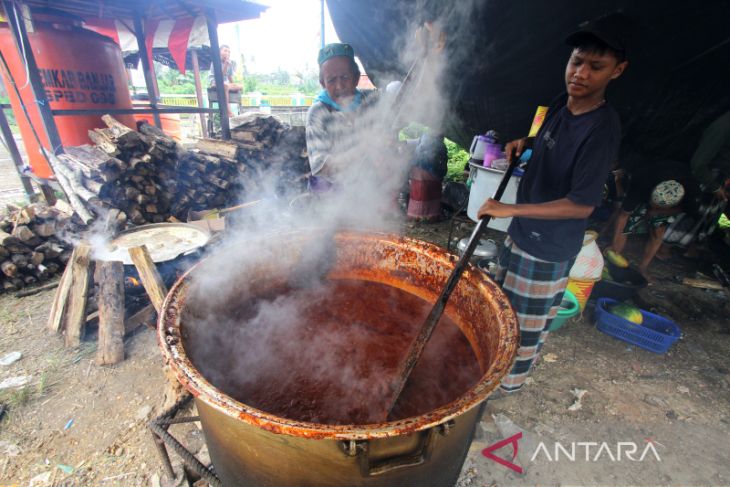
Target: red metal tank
[79, 69]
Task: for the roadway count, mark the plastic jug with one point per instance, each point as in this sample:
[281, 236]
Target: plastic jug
[478, 146]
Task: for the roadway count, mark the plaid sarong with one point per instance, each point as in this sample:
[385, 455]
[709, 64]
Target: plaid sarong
[535, 289]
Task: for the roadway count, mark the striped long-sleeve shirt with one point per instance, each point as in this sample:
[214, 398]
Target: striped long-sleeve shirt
[332, 133]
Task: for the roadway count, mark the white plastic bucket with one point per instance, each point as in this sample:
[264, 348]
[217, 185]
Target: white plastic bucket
[485, 181]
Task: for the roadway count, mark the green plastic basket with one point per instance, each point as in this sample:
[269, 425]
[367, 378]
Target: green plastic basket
[569, 307]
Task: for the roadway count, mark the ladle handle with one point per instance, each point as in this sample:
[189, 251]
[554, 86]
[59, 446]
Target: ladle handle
[437, 310]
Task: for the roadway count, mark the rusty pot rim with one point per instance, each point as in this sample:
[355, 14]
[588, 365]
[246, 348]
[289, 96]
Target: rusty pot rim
[168, 335]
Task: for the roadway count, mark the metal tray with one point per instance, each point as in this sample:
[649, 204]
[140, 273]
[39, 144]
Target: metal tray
[165, 241]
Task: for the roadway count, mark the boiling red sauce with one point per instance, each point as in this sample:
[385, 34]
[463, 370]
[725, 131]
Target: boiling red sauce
[330, 354]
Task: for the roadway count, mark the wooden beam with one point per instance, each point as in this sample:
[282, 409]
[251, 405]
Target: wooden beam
[145, 316]
[149, 276]
[7, 135]
[218, 72]
[60, 299]
[75, 319]
[111, 313]
[198, 90]
[702, 284]
[147, 67]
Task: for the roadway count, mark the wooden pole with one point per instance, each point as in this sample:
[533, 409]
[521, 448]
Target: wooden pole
[218, 72]
[7, 135]
[198, 90]
[111, 313]
[147, 68]
[149, 276]
[76, 314]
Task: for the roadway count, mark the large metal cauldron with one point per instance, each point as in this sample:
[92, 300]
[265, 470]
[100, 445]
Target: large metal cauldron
[254, 448]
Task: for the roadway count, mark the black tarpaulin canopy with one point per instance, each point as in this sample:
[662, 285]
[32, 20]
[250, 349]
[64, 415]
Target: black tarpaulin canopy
[506, 58]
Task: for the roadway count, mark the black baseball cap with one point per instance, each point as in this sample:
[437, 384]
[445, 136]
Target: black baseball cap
[613, 30]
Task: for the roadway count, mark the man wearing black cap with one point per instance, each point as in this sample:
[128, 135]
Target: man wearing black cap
[332, 120]
[563, 183]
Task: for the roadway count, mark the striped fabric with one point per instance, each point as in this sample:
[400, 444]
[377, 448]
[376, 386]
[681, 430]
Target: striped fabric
[535, 289]
[334, 133]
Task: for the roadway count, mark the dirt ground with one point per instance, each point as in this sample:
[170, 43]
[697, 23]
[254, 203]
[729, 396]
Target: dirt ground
[80, 424]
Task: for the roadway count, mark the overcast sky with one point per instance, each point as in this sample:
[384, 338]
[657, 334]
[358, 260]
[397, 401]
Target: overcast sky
[287, 36]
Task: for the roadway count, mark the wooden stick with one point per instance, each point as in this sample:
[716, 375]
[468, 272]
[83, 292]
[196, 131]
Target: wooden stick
[111, 313]
[68, 189]
[39, 289]
[75, 319]
[149, 276]
[142, 317]
[702, 283]
[60, 300]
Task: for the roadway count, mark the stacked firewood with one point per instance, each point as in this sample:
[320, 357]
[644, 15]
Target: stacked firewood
[206, 179]
[275, 152]
[148, 178]
[127, 170]
[30, 250]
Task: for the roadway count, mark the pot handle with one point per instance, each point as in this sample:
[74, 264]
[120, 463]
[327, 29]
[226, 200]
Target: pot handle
[421, 454]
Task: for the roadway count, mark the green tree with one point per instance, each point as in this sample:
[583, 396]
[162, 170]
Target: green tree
[250, 83]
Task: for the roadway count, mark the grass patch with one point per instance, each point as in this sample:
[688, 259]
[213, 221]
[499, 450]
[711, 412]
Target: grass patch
[17, 397]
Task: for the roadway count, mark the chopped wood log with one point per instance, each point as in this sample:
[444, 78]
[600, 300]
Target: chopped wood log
[151, 280]
[4, 253]
[93, 185]
[111, 313]
[36, 258]
[216, 147]
[113, 220]
[156, 134]
[125, 137]
[145, 316]
[75, 321]
[26, 235]
[6, 239]
[702, 283]
[9, 269]
[103, 142]
[117, 128]
[50, 250]
[26, 215]
[64, 207]
[68, 188]
[75, 177]
[60, 301]
[45, 230]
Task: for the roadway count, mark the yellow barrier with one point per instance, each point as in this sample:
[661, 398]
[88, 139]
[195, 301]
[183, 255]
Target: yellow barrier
[179, 100]
[295, 100]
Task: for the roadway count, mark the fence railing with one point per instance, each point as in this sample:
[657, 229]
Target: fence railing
[248, 100]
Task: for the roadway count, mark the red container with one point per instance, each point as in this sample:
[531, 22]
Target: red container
[425, 195]
[79, 69]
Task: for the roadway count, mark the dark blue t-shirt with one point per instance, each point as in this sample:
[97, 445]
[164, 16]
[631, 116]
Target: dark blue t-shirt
[571, 156]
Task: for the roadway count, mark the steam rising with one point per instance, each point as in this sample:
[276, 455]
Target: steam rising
[264, 254]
